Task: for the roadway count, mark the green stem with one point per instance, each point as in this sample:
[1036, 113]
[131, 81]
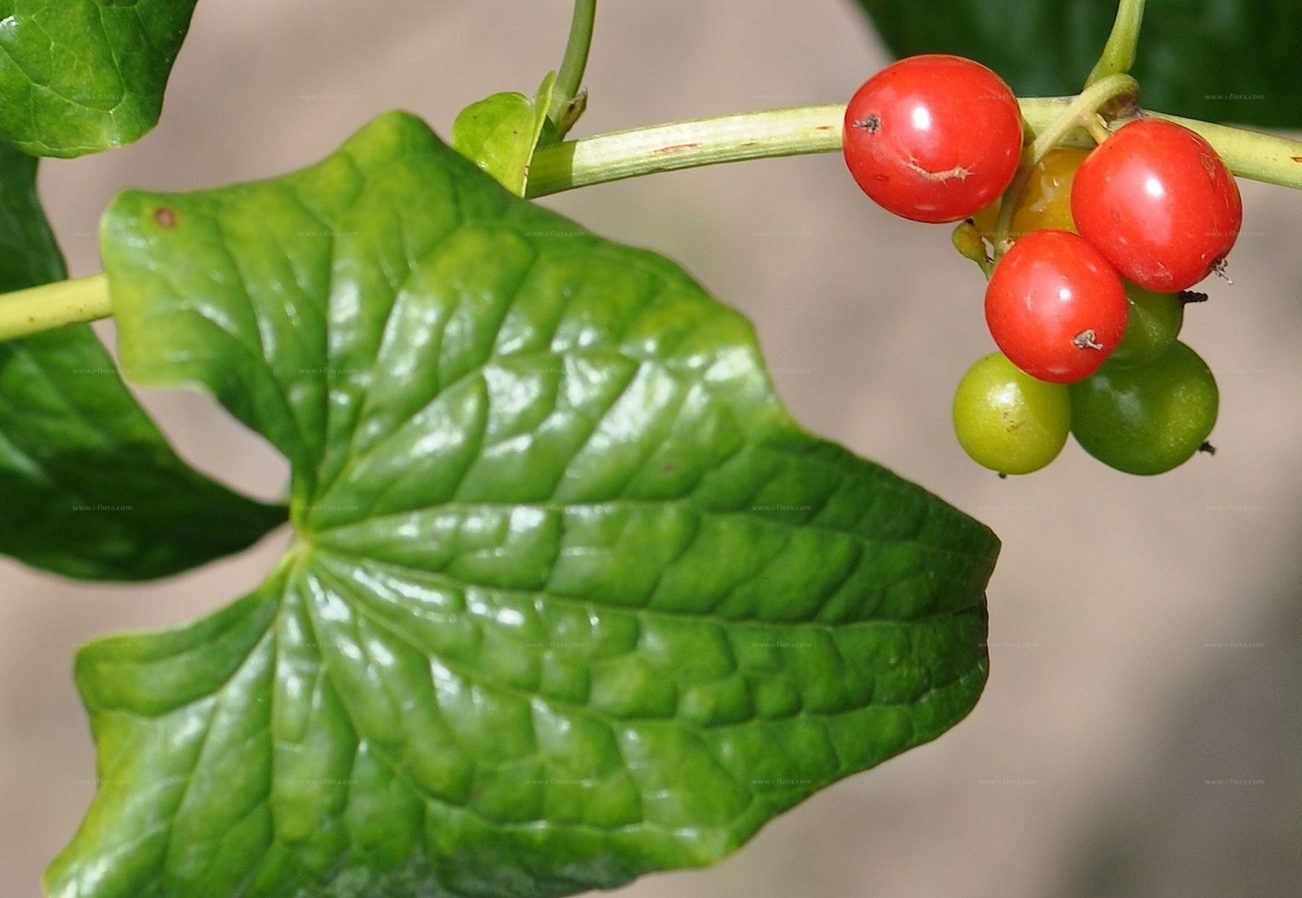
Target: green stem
[1081, 111]
[690, 144]
[54, 305]
[642, 151]
[569, 79]
[1077, 111]
[1119, 52]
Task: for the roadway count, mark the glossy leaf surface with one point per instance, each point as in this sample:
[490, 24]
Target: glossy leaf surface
[571, 598]
[81, 76]
[88, 486]
[1230, 61]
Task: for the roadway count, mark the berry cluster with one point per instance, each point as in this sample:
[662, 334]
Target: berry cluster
[1095, 252]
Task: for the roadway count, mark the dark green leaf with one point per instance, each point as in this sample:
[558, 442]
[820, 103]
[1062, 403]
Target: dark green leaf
[88, 486]
[571, 597]
[29, 255]
[80, 76]
[1219, 60]
[499, 133]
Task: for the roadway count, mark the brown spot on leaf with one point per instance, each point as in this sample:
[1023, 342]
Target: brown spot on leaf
[166, 217]
[678, 147]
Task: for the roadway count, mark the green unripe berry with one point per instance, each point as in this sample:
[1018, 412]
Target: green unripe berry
[1008, 421]
[1154, 323]
[1146, 419]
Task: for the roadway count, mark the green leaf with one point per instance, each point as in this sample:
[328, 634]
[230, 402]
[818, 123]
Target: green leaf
[499, 133]
[29, 255]
[88, 486]
[81, 76]
[1218, 60]
[571, 597]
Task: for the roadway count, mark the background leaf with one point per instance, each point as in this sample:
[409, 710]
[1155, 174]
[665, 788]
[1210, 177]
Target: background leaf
[1233, 61]
[499, 133]
[571, 598]
[88, 486]
[81, 76]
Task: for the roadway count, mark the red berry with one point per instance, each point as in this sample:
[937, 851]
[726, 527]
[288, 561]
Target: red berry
[933, 138]
[1055, 306]
[1158, 202]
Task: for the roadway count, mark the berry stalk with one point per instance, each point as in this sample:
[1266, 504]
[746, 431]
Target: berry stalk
[1081, 112]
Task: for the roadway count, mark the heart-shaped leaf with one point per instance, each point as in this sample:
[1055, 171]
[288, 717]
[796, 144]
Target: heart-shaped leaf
[1218, 60]
[80, 76]
[88, 486]
[571, 597]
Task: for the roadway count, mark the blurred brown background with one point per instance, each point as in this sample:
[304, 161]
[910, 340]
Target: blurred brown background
[1142, 731]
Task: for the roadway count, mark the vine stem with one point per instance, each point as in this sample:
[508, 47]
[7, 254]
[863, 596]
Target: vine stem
[689, 144]
[1119, 52]
[732, 138]
[61, 303]
[569, 78]
[817, 129]
[1082, 111]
